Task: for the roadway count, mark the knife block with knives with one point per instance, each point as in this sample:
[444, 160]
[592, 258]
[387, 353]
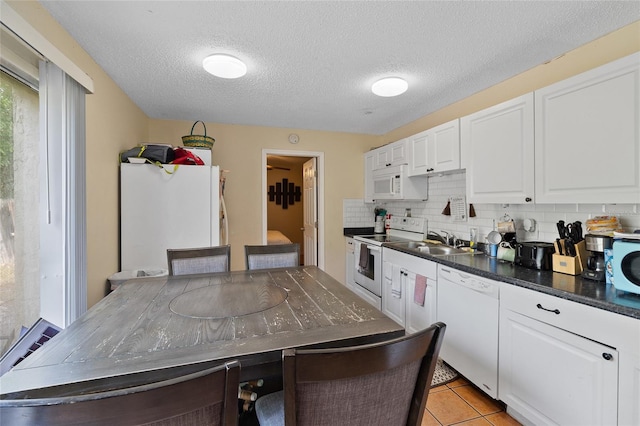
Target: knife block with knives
[568, 264]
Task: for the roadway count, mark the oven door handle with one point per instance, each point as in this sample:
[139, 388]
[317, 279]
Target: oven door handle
[374, 248]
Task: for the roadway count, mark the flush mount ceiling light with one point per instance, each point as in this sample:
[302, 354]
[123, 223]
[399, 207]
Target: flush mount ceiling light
[224, 66]
[390, 86]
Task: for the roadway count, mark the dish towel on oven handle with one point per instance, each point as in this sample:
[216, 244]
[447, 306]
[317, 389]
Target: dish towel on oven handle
[396, 282]
[420, 290]
[363, 262]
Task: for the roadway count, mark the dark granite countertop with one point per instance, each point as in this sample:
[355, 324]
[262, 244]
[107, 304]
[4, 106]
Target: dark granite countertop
[350, 232]
[574, 288]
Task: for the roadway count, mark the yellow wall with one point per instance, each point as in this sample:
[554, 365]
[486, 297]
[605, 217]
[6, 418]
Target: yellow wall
[239, 149]
[610, 47]
[115, 123]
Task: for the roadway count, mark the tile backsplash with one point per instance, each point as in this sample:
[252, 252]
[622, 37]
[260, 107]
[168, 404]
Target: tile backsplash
[356, 213]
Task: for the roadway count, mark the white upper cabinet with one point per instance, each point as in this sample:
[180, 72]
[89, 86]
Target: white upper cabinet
[436, 150]
[498, 152]
[392, 154]
[587, 136]
[417, 147]
[369, 166]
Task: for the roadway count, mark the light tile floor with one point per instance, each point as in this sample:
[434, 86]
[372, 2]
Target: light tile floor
[461, 403]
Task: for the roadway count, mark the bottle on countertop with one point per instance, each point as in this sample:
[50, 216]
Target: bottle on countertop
[387, 223]
[473, 239]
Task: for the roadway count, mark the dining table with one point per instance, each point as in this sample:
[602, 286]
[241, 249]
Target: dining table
[158, 327]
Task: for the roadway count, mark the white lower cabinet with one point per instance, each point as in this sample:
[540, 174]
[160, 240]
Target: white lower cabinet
[629, 413]
[349, 263]
[400, 272]
[393, 291]
[418, 317]
[565, 363]
[555, 377]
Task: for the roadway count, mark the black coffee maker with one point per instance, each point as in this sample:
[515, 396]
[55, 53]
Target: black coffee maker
[596, 244]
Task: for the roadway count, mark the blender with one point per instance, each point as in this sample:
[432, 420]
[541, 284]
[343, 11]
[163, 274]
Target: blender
[380, 215]
[596, 244]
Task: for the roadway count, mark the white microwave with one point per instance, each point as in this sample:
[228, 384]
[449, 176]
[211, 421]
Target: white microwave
[392, 183]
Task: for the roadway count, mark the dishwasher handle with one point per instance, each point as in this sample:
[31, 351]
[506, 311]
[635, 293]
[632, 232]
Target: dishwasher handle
[457, 276]
[470, 282]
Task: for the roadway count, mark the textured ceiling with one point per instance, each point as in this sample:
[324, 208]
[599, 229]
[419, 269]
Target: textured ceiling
[311, 63]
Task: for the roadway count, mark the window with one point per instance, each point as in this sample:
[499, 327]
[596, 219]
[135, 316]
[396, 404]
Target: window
[19, 183]
[42, 182]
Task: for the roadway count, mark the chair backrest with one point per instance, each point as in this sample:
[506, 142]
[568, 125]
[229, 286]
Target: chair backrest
[199, 260]
[384, 383]
[272, 256]
[208, 397]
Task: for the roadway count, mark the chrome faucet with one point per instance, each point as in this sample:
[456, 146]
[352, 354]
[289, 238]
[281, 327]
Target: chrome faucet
[435, 236]
[449, 239]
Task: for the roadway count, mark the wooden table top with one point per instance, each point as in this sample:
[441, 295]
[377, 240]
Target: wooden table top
[149, 324]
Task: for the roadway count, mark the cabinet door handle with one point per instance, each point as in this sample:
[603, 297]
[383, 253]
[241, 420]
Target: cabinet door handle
[555, 311]
[607, 356]
[527, 199]
[430, 170]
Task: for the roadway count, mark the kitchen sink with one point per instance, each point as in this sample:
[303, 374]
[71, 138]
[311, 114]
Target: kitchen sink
[436, 250]
[429, 248]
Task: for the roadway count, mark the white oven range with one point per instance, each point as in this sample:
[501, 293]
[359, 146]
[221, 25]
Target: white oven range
[368, 255]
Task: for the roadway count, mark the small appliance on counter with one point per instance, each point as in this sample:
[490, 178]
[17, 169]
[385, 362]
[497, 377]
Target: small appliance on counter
[379, 226]
[626, 262]
[534, 255]
[596, 244]
[380, 215]
[570, 254]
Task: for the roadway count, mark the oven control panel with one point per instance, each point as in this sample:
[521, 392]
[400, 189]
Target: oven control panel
[411, 224]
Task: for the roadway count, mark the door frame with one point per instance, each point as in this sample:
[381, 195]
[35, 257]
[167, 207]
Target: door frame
[320, 193]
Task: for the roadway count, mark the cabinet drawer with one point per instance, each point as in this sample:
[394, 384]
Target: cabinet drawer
[416, 264]
[583, 320]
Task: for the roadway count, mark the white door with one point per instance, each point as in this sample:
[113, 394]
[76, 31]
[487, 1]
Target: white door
[309, 173]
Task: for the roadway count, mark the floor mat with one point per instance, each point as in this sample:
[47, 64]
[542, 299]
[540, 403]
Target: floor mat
[443, 374]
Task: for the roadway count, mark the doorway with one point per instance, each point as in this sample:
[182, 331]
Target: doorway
[291, 200]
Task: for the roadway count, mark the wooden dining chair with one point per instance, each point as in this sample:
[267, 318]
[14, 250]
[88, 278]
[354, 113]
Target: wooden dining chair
[199, 260]
[385, 383]
[208, 397]
[272, 256]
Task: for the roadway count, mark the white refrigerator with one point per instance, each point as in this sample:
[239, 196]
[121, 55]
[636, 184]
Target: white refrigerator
[166, 207]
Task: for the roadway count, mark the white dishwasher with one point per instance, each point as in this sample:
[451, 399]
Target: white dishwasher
[469, 306]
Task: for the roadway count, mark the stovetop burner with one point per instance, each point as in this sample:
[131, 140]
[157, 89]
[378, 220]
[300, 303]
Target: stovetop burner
[401, 229]
[382, 238]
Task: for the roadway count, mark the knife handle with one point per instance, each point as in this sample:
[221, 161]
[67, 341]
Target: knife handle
[558, 246]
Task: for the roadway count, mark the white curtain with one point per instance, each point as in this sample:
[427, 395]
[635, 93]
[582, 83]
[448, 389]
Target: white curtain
[63, 197]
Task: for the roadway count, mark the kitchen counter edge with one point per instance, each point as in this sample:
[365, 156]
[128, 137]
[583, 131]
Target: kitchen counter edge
[350, 232]
[573, 288]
